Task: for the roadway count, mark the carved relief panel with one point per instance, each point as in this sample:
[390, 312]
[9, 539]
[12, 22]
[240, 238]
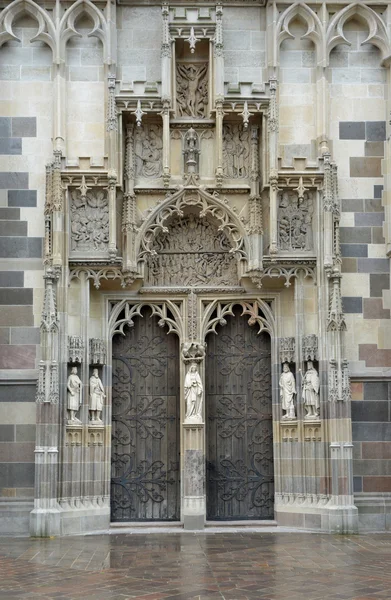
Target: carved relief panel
[295, 215]
[192, 89]
[148, 149]
[89, 222]
[236, 151]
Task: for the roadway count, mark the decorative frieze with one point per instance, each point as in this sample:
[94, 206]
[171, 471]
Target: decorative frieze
[98, 351]
[75, 349]
[309, 347]
[287, 349]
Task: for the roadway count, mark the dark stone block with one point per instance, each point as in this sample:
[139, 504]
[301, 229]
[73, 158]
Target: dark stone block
[352, 205]
[377, 235]
[357, 483]
[4, 335]
[374, 149]
[352, 130]
[24, 126]
[17, 316]
[373, 410]
[373, 205]
[9, 180]
[378, 283]
[373, 309]
[25, 335]
[354, 250]
[377, 191]
[375, 131]
[19, 247]
[349, 265]
[355, 235]
[352, 304]
[5, 127]
[372, 265]
[11, 279]
[17, 392]
[11, 145]
[7, 433]
[371, 432]
[18, 357]
[13, 228]
[9, 214]
[375, 390]
[14, 475]
[16, 296]
[22, 198]
[25, 433]
[365, 166]
[374, 219]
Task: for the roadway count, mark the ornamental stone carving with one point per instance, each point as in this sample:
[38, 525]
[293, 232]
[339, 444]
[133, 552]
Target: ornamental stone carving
[287, 393]
[192, 252]
[75, 349]
[287, 349]
[192, 90]
[310, 347]
[89, 221]
[97, 352]
[193, 352]
[148, 149]
[236, 151]
[194, 392]
[74, 397]
[295, 220]
[310, 386]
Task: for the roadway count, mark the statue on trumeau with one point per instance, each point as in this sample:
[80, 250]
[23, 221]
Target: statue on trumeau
[194, 392]
[287, 392]
[74, 386]
[311, 392]
[97, 396]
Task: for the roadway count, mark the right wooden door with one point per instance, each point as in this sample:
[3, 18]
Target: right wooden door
[239, 430]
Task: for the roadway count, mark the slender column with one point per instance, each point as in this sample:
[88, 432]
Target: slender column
[129, 205]
[219, 54]
[255, 205]
[166, 142]
[273, 159]
[328, 216]
[387, 169]
[219, 140]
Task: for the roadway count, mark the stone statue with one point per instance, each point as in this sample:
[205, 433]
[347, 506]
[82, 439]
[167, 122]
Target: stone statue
[287, 392]
[193, 395]
[74, 396]
[148, 151]
[97, 396]
[311, 392]
[192, 96]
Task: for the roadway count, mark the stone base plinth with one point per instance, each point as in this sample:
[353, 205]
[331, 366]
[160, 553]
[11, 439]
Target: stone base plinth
[328, 519]
[194, 507]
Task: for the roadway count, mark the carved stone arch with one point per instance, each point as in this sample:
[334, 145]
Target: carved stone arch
[259, 311]
[210, 205]
[169, 313]
[46, 29]
[377, 29]
[314, 29]
[67, 27]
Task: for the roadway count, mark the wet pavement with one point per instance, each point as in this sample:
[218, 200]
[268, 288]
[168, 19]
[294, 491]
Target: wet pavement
[235, 565]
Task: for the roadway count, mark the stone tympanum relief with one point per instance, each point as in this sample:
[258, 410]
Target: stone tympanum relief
[89, 221]
[194, 392]
[236, 151]
[148, 148]
[97, 396]
[74, 386]
[295, 220]
[287, 392]
[192, 252]
[311, 392]
[192, 90]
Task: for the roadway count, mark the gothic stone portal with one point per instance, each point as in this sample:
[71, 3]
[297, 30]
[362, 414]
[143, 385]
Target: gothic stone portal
[145, 437]
[239, 423]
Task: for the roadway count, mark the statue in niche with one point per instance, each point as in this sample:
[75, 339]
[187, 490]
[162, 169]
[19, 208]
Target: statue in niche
[89, 221]
[191, 252]
[236, 151]
[97, 396]
[74, 387]
[311, 392]
[194, 391]
[191, 151]
[295, 221]
[192, 90]
[287, 392]
[148, 151]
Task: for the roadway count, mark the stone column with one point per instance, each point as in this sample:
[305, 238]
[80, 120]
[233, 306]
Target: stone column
[272, 124]
[166, 142]
[219, 103]
[255, 205]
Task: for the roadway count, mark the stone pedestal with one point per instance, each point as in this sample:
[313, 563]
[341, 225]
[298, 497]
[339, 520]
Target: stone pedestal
[194, 477]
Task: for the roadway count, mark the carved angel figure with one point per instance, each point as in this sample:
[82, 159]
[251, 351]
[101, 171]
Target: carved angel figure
[192, 90]
[287, 392]
[311, 391]
[193, 395]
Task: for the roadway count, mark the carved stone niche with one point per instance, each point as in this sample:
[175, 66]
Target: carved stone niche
[148, 151]
[236, 151]
[191, 252]
[295, 216]
[310, 347]
[98, 352]
[75, 349]
[192, 89]
[287, 350]
[89, 222]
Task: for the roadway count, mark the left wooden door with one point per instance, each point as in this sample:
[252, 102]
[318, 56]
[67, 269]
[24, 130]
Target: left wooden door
[145, 428]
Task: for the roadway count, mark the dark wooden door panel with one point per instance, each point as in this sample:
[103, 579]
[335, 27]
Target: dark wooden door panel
[145, 434]
[239, 423]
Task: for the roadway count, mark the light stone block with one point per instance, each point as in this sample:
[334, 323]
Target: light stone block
[249, 19]
[298, 75]
[347, 219]
[359, 282]
[377, 251]
[17, 413]
[130, 74]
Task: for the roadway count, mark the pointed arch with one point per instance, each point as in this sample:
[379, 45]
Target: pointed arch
[314, 29]
[46, 28]
[67, 27]
[174, 205]
[377, 30]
